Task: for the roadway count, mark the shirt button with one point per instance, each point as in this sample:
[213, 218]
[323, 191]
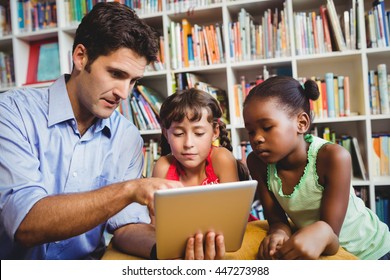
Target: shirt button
[74, 174]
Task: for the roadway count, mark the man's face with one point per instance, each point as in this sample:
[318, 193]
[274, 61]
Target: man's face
[99, 91]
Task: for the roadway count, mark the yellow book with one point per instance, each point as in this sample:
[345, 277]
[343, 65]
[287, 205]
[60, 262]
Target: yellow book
[320, 107]
[186, 27]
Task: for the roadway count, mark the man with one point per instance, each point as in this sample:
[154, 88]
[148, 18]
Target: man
[68, 159]
[69, 163]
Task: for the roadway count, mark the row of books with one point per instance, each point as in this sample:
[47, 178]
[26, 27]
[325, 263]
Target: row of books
[195, 45]
[379, 90]
[326, 31]
[351, 144]
[36, 15]
[142, 107]
[381, 154]
[334, 100]
[5, 20]
[159, 64]
[266, 38]
[188, 6]
[152, 153]
[241, 90]
[7, 73]
[377, 25]
[382, 209]
[76, 9]
[188, 80]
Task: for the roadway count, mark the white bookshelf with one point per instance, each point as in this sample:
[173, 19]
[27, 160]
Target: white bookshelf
[355, 63]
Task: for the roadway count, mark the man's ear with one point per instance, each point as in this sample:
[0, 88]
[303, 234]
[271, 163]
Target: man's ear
[80, 57]
[303, 122]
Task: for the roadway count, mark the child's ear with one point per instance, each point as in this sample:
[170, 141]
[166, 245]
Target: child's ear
[216, 132]
[303, 122]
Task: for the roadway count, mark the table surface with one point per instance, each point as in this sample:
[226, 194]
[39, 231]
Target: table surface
[255, 232]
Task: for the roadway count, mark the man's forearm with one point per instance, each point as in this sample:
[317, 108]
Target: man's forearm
[63, 216]
[135, 239]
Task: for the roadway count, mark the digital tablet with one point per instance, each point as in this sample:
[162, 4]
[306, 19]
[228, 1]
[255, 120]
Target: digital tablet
[181, 213]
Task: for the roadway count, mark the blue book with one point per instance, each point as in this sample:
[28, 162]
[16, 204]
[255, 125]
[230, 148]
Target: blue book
[190, 50]
[48, 62]
[20, 15]
[330, 95]
[380, 5]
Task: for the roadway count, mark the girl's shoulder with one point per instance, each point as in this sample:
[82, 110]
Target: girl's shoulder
[332, 152]
[221, 154]
[162, 165]
[332, 159]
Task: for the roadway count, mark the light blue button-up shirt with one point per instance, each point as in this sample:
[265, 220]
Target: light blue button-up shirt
[42, 153]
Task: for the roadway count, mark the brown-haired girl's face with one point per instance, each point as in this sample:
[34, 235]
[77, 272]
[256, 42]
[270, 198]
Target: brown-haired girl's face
[190, 142]
[272, 131]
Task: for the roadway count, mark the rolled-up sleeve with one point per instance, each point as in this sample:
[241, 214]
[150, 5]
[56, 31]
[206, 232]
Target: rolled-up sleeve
[21, 184]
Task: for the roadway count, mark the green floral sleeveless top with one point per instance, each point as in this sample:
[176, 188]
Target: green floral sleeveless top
[362, 233]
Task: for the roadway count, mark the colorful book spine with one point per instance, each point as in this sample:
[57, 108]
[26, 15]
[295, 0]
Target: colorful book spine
[340, 84]
[376, 155]
[384, 155]
[383, 89]
[330, 95]
[347, 97]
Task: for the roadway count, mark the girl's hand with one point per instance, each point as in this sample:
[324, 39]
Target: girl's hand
[309, 243]
[213, 249]
[271, 244]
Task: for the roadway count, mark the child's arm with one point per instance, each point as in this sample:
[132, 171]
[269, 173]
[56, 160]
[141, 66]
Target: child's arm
[280, 230]
[334, 172]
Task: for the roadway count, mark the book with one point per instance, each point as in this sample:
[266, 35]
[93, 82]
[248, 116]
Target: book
[376, 155]
[336, 96]
[383, 89]
[340, 84]
[325, 23]
[48, 62]
[384, 155]
[379, 5]
[357, 160]
[374, 94]
[186, 32]
[336, 27]
[347, 98]
[152, 97]
[330, 94]
[43, 61]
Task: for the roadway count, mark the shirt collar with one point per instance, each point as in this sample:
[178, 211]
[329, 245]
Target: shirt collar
[60, 108]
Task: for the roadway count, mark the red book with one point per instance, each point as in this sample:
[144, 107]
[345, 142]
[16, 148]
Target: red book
[324, 99]
[33, 59]
[328, 42]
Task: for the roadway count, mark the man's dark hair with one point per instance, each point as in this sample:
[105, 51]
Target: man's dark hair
[111, 26]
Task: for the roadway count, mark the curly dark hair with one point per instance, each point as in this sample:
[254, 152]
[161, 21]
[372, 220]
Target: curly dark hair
[111, 26]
